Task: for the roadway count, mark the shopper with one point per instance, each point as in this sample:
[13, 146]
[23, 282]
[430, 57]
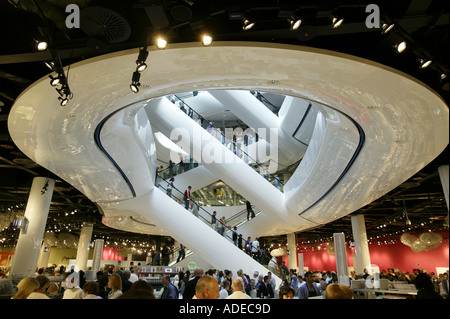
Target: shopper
[207, 288]
[214, 220]
[126, 283]
[286, 292]
[338, 291]
[189, 290]
[225, 284]
[187, 197]
[73, 291]
[237, 286]
[250, 212]
[91, 289]
[425, 287]
[26, 287]
[255, 249]
[170, 187]
[309, 289]
[115, 284]
[170, 291]
[39, 293]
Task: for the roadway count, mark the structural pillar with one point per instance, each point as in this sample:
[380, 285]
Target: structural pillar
[341, 259]
[83, 246]
[362, 256]
[98, 253]
[292, 249]
[443, 174]
[31, 235]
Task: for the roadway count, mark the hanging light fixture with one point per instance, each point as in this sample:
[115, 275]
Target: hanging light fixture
[294, 23]
[161, 43]
[385, 28]
[134, 86]
[336, 21]
[400, 47]
[206, 40]
[54, 81]
[424, 63]
[41, 45]
[142, 57]
[247, 24]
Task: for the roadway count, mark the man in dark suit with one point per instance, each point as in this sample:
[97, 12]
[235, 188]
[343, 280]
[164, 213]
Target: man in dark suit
[189, 290]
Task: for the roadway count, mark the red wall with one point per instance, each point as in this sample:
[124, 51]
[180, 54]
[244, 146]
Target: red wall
[385, 256]
[110, 253]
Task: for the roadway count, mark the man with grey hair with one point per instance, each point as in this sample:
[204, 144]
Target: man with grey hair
[237, 286]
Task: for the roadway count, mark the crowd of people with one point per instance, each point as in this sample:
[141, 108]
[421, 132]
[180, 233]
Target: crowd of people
[120, 283]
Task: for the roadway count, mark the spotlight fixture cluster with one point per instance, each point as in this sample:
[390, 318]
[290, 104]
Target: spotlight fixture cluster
[140, 67]
[60, 81]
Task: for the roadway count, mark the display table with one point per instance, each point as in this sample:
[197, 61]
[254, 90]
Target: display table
[387, 294]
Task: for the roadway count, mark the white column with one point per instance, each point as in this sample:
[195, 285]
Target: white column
[341, 259]
[443, 174]
[362, 256]
[83, 246]
[292, 248]
[97, 258]
[30, 237]
[301, 265]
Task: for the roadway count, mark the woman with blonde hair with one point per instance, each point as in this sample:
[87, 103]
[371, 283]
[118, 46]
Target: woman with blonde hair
[115, 284]
[26, 286]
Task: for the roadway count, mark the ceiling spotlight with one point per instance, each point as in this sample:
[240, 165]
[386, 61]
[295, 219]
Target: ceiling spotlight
[50, 65]
[206, 40]
[424, 63]
[336, 22]
[400, 47]
[295, 23]
[41, 45]
[247, 24]
[134, 86]
[143, 54]
[161, 43]
[64, 100]
[54, 81]
[443, 76]
[386, 28]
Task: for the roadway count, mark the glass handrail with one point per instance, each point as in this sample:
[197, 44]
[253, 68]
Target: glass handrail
[225, 140]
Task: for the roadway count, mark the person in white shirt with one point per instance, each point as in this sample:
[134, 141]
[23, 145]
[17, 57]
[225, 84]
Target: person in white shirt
[133, 276]
[255, 249]
[238, 288]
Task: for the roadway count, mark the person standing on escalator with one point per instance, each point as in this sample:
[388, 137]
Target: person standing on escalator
[187, 197]
[250, 212]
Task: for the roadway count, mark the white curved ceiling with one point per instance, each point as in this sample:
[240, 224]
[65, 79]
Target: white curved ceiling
[404, 123]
